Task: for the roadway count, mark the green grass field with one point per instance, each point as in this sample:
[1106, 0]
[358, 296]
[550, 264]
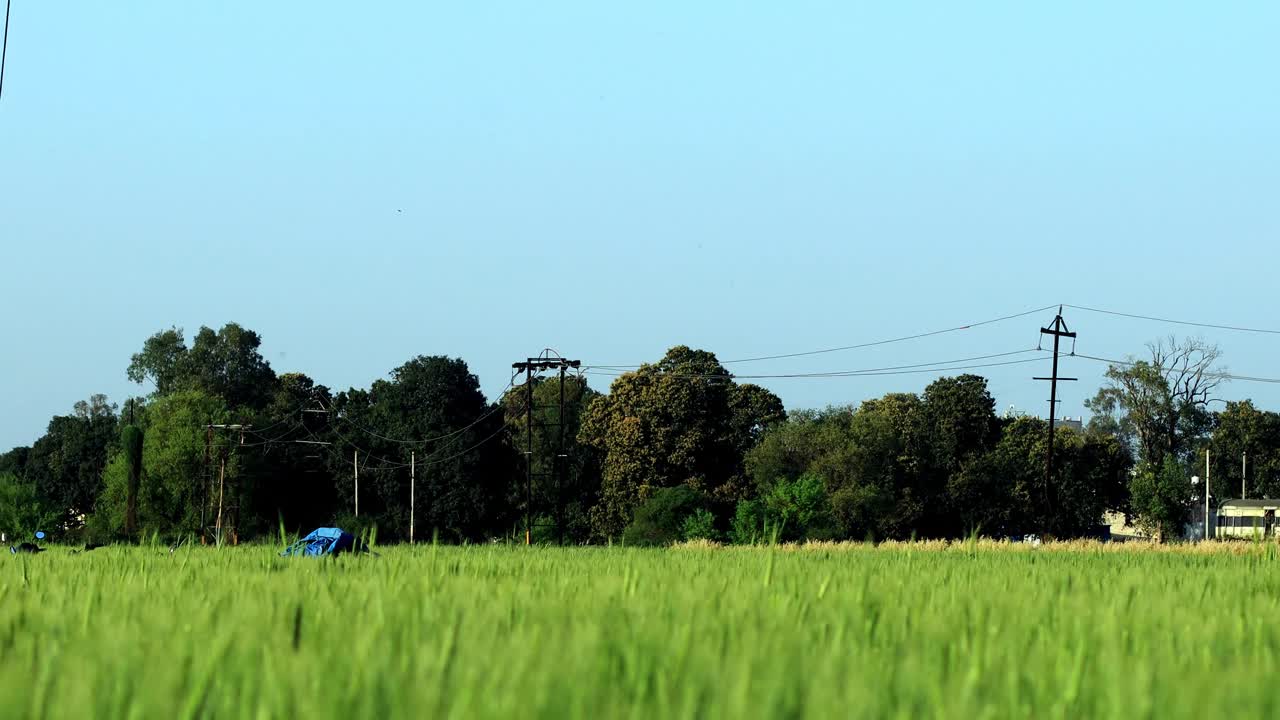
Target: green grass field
[498, 631]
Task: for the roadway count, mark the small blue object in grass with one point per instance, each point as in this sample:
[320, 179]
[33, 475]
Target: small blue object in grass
[322, 541]
[39, 535]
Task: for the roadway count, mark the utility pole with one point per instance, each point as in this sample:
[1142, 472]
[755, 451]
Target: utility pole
[1206, 494]
[208, 481]
[561, 463]
[233, 510]
[413, 477]
[528, 367]
[222, 476]
[355, 467]
[1244, 469]
[528, 455]
[1058, 330]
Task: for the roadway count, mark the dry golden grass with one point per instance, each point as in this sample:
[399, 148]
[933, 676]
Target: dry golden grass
[700, 544]
[1217, 547]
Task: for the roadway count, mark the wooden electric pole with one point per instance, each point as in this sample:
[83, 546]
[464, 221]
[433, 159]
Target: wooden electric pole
[1058, 330]
[222, 477]
[233, 510]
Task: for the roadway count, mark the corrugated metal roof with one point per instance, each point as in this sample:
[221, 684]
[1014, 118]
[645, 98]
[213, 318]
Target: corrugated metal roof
[1252, 503]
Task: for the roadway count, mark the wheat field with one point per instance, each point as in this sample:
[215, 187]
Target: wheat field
[963, 630]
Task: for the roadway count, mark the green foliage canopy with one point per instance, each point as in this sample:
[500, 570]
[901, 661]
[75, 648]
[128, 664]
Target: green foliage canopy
[681, 421]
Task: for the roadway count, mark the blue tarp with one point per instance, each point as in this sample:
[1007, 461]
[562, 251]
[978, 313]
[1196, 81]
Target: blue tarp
[323, 541]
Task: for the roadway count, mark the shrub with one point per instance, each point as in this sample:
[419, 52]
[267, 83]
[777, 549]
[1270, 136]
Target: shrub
[1161, 497]
[801, 509]
[749, 521]
[791, 510]
[661, 520]
[21, 512]
[700, 525]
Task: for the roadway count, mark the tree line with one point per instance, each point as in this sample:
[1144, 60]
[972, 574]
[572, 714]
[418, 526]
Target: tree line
[675, 450]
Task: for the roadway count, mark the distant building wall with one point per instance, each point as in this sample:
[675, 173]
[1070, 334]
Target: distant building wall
[1121, 529]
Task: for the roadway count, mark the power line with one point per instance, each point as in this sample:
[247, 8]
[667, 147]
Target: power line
[875, 343]
[284, 419]
[4, 49]
[937, 366]
[1210, 374]
[279, 438]
[1217, 326]
[496, 408]
[457, 455]
[386, 464]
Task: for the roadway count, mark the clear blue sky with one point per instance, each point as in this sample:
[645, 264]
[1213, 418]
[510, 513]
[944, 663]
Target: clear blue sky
[749, 178]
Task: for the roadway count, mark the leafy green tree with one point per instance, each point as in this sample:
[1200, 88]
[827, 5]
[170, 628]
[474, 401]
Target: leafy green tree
[287, 474]
[174, 484]
[960, 425]
[791, 448]
[681, 421]
[66, 464]
[1003, 492]
[864, 459]
[15, 461]
[1158, 405]
[1105, 463]
[891, 467]
[110, 518]
[565, 509]
[21, 510]
[226, 363]
[875, 479]
[1161, 497]
[131, 452]
[162, 361]
[1242, 430]
[465, 465]
[661, 519]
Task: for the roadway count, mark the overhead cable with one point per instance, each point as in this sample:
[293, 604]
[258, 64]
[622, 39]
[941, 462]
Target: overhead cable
[939, 366]
[1209, 373]
[4, 47]
[1216, 326]
[496, 408]
[874, 343]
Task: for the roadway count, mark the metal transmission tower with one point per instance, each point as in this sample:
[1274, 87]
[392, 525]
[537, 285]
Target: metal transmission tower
[548, 360]
[1058, 330]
